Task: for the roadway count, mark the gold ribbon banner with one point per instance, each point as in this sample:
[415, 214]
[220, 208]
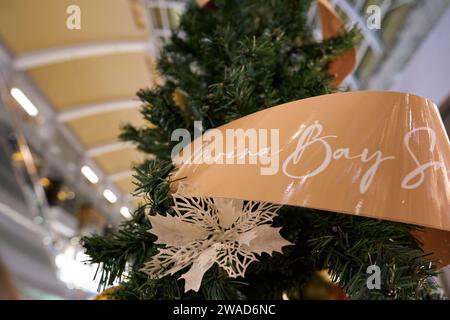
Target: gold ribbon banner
[376, 154]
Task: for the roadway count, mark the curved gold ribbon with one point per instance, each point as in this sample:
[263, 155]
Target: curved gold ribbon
[376, 154]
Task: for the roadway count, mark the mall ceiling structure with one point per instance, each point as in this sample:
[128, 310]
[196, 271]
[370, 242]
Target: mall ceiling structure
[81, 82]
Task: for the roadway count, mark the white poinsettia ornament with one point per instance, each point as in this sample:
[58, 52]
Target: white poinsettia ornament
[205, 231]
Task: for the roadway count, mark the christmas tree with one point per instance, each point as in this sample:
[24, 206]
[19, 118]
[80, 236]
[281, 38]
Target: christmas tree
[229, 59]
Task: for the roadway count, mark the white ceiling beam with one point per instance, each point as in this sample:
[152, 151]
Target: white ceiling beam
[55, 55]
[97, 108]
[163, 33]
[107, 148]
[121, 175]
[164, 16]
[168, 4]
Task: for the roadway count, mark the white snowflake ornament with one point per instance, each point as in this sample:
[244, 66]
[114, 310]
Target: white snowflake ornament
[205, 231]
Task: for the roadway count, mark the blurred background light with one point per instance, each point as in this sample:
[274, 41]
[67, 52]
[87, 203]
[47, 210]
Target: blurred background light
[125, 212]
[24, 102]
[89, 174]
[110, 196]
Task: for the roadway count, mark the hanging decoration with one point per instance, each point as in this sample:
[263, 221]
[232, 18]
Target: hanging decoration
[437, 243]
[332, 25]
[205, 231]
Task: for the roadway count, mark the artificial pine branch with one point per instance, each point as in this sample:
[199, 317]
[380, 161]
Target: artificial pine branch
[230, 61]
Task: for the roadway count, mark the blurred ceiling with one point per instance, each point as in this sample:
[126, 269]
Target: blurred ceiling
[89, 76]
